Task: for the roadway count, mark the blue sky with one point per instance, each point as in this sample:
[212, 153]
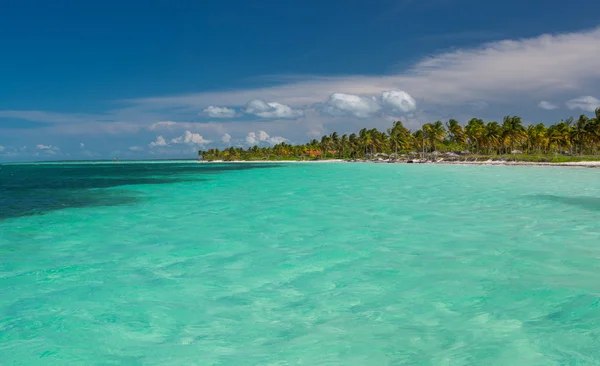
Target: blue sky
[160, 79]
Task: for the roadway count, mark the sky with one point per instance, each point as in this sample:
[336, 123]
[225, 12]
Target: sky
[162, 79]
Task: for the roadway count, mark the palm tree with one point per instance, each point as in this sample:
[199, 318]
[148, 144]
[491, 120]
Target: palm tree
[491, 136]
[354, 144]
[580, 131]
[325, 142]
[380, 140]
[335, 141]
[368, 141]
[438, 133]
[344, 143]
[475, 131]
[593, 130]
[362, 139]
[536, 137]
[455, 132]
[514, 132]
[419, 141]
[400, 137]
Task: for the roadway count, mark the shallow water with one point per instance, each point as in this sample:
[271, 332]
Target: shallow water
[351, 264]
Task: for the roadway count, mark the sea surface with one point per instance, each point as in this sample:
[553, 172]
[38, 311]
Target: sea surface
[180, 263]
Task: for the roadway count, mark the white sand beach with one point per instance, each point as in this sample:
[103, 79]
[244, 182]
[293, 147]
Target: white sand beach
[589, 164]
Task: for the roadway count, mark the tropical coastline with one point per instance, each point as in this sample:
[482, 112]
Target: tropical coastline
[568, 143]
[588, 164]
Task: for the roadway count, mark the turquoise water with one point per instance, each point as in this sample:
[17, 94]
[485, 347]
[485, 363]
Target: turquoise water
[312, 264]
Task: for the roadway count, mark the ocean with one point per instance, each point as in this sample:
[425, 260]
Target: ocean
[180, 263]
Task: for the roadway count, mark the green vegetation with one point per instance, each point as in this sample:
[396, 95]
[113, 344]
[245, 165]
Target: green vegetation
[565, 141]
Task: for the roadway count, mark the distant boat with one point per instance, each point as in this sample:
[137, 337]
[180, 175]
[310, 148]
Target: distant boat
[115, 159]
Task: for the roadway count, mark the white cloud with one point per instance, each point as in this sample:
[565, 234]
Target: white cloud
[544, 104]
[263, 109]
[190, 138]
[219, 112]
[399, 100]
[162, 125]
[340, 104]
[263, 136]
[226, 138]
[46, 147]
[81, 145]
[251, 139]
[275, 140]
[1, 148]
[136, 148]
[588, 103]
[256, 138]
[160, 141]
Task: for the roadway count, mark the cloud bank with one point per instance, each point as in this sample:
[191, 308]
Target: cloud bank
[497, 71]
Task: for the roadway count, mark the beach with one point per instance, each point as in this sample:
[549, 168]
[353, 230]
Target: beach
[587, 164]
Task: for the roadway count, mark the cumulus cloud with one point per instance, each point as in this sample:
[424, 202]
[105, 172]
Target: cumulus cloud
[219, 112]
[263, 136]
[226, 138]
[588, 104]
[341, 104]
[399, 100]
[251, 139]
[544, 104]
[260, 108]
[256, 138]
[136, 148]
[391, 102]
[160, 141]
[190, 138]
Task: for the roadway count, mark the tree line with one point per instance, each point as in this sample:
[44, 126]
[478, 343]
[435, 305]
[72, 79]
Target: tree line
[568, 137]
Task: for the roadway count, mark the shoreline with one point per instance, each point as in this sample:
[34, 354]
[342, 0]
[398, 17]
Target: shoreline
[586, 164]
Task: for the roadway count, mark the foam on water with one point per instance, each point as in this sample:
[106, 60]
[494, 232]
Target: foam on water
[353, 264]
